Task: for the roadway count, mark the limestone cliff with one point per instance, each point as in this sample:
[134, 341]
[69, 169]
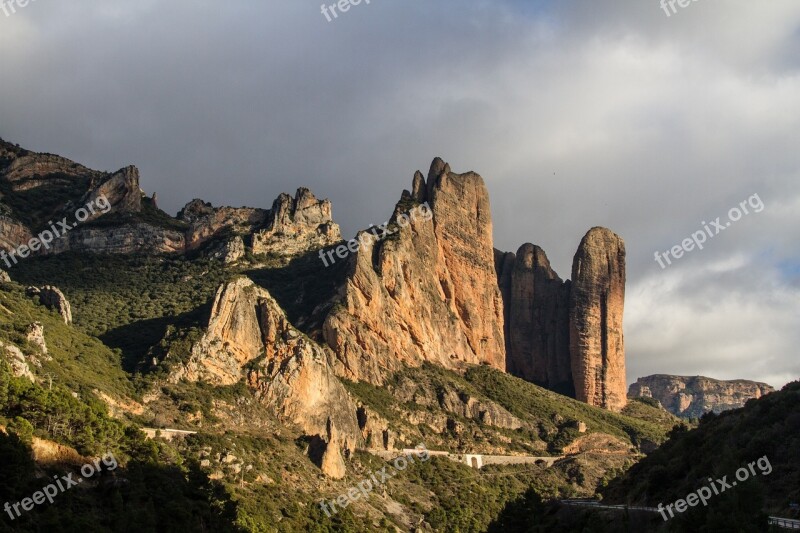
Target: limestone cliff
[567, 335]
[538, 315]
[597, 300]
[248, 336]
[296, 225]
[429, 291]
[692, 397]
[133, 223]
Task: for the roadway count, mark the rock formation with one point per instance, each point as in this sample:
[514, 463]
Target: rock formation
[432, 289]
[567, 335]
[597, 300]
[332, 463]
[52, 298]
[230, 251]
[206, 222]
[295, 225]
[538, 320]
[429, 291]
[35, 336]
[4, 277]
[249, 336]
[692, 397]
[16, 361]
[233, 336]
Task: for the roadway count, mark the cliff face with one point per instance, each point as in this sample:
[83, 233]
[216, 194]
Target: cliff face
[538, 308]
[692, 397]
[567, 335]
[597, 301]
[249, 337]
[428, 292]
[293, 226]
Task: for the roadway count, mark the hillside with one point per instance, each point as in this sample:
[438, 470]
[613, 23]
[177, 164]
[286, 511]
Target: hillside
[231, 422]
[767, 427]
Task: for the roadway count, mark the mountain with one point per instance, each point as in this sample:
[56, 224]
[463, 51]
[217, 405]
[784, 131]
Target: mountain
[433, 280]
[692, 397]
[265, 335]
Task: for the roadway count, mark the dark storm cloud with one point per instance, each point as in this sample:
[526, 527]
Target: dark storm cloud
[576, 113]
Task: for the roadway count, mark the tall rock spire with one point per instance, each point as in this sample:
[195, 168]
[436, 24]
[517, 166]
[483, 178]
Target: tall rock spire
[597, 299]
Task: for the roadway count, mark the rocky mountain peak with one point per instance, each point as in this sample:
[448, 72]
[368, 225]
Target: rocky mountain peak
[429, 292]
[597, 301]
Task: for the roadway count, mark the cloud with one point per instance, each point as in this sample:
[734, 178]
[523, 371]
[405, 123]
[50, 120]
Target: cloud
[576, 113]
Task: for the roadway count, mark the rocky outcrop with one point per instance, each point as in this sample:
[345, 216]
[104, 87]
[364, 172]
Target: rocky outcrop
[296, 225]
[121, 190]
[291, 227]
[249, 336]
[692, 397]
[488, 413]
[127, 238]
[16, 361]
[332, 463]
[428, 292]
[4, 277]
[206, 222]
[35, 335]
[232, 339]
[230, 251]
[597, 301]
[52, 298]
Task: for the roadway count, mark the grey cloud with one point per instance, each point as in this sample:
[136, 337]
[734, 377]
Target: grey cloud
[577, 114]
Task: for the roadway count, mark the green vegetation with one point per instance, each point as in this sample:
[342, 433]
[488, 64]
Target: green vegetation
[530, 402]
[153, 492]
[79, 362]
[128, 302]
[766, 427]
[35, 206]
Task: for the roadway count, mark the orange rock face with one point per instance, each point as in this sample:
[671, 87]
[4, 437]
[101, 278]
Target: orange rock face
[426, 293]
[597, 298]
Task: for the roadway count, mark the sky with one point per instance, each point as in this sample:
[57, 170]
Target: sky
[576, 113]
